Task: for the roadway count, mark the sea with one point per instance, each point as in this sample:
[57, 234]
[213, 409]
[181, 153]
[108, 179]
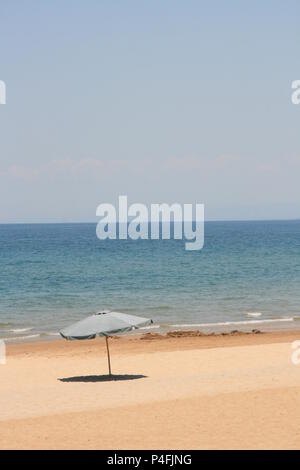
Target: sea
[247, 276]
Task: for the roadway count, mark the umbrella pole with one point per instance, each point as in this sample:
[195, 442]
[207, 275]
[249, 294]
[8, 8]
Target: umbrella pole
[108, 355]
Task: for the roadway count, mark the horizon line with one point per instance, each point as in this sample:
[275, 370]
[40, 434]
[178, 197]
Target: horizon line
[295, 219]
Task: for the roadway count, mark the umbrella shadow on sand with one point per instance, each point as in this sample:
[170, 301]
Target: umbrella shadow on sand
[102, 378]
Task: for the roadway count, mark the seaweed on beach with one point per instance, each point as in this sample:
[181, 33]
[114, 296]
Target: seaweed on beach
[195, 333]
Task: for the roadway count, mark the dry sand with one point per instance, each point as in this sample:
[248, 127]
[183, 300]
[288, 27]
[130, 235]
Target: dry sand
[194, 392]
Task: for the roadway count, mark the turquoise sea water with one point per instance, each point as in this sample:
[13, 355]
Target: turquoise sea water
[54, 274]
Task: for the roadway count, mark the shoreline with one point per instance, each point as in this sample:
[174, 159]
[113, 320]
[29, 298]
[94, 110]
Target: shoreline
[284, 324]
[189, 338]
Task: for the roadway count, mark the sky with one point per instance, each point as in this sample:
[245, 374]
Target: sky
[162, 101]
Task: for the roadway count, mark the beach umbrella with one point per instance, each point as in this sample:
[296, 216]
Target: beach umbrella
[105, 324]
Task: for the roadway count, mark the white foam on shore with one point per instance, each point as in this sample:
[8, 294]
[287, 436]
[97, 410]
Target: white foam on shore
[19, 338]
[229, 323]
[149, 327]
[19, 330]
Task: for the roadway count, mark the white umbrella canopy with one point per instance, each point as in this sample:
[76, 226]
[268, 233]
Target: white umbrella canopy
[104, 323]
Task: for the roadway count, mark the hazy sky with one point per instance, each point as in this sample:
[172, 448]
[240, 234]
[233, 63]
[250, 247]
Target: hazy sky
[163, 101]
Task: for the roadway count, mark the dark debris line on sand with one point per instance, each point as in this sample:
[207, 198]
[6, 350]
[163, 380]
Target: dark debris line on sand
[195, 333]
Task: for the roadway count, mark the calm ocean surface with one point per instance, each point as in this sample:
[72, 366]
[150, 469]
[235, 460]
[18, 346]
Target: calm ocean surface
[54, 274]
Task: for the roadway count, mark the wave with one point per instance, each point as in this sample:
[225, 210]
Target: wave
[20, 338]
[254, 314]
[26, 337]
[151, 327]
[20, 330]
[229, 323]
[50, 333]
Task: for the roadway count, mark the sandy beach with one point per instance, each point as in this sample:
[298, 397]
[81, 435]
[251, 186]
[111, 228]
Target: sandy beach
[191, 392]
